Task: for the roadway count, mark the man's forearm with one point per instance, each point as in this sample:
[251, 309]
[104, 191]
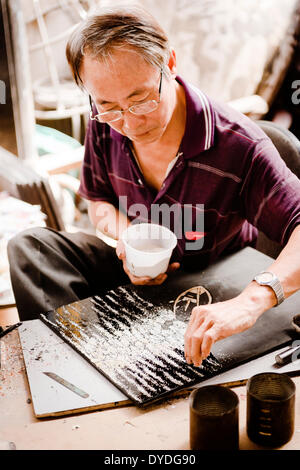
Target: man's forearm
[287, 269]
[107, 219]
[287, 265]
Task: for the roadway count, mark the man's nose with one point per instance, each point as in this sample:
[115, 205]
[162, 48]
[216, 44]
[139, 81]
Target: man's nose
[132, 121]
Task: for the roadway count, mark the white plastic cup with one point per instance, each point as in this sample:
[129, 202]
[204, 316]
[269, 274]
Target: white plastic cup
[148, 249]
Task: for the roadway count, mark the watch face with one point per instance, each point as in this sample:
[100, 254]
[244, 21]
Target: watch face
[264, 277]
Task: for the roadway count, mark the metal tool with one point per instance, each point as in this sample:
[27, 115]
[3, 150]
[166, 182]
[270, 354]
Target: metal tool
[67, 384]
[293, 351]
[9, 329]
[286, 356]
[296, 322]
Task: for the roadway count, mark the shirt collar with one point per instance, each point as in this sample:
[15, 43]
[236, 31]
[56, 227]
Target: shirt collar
[200, 123]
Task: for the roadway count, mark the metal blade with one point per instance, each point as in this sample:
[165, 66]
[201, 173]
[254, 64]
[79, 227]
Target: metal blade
[67, 384]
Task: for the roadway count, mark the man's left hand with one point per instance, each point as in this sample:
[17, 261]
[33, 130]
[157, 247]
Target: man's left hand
[210, 323]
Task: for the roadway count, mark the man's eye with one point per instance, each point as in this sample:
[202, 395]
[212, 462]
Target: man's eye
[141, 100]
[107, 110]
[116, 108]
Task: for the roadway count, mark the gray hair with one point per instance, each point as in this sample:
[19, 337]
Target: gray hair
[115, 26]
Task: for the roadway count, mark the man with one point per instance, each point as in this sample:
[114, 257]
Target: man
[155, 139]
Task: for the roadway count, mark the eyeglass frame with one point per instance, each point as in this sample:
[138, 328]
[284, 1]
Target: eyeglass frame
[121, 111]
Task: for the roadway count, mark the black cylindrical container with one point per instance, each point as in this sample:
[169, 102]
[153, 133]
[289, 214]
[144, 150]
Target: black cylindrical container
[214, 418]
[270, 409]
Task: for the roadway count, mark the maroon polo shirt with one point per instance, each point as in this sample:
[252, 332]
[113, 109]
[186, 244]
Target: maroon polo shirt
[228, 181]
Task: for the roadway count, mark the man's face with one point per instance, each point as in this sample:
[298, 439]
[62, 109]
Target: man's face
[126, 80]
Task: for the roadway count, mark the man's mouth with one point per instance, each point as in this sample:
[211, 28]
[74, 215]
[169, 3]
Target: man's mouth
[136, 136]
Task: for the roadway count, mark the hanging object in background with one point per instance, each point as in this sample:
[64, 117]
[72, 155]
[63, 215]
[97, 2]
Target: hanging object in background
[48, 27]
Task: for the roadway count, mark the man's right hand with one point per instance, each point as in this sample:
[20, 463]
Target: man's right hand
[140, 281]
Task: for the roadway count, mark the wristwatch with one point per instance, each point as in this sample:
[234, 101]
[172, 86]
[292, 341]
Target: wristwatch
[266, 278]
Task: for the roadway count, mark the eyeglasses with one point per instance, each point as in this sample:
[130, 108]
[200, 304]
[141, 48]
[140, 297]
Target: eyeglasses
[138, 109]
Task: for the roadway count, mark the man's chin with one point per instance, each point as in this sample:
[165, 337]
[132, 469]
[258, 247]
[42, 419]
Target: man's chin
[147, 137]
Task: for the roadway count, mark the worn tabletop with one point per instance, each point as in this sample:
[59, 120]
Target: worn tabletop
[163, 426]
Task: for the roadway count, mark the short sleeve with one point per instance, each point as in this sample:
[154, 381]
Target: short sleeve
[94, 181]
[271, 194]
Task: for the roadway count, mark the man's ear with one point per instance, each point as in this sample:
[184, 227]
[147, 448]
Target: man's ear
[172, 62]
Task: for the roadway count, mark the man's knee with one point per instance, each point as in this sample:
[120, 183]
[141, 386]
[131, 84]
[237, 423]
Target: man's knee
[25, 243]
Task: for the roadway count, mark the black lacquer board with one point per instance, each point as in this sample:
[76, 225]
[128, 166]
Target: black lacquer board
[134, 335]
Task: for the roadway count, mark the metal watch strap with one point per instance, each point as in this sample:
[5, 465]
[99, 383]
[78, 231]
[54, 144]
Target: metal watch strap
[275, 286]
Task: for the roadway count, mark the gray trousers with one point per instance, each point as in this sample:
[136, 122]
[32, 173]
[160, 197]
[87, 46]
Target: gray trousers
[49, 269]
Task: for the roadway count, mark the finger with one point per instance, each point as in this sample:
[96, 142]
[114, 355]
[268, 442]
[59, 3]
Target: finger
[159, 279]
[146, 280]
[209, 338]
[149, 281]
[196, 344]
[120, 249]
[121, 255]
[196, 320]
[196, 357]
[173, 267]
[139, 281]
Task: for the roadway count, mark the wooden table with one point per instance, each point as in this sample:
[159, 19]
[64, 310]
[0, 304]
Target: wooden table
[162, 427]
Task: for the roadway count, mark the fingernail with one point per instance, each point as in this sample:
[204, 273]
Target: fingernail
[197, 363]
